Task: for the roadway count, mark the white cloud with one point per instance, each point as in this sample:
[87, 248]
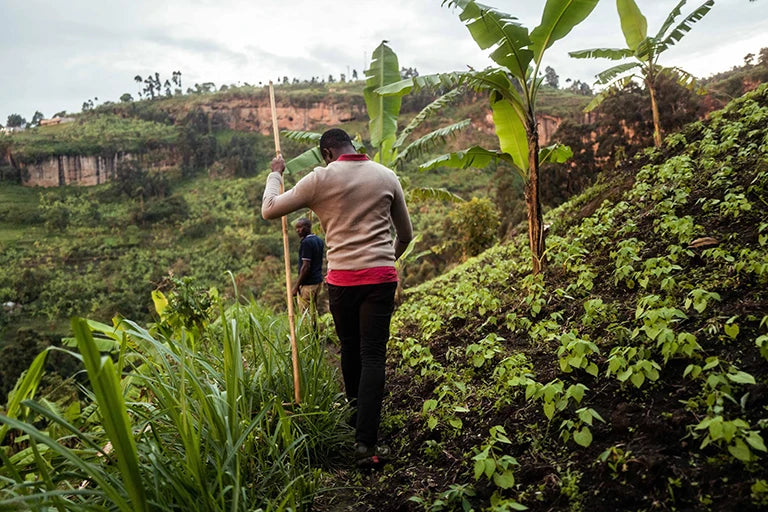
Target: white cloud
[61, 53]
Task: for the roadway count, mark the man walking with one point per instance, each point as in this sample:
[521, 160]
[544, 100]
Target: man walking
[356, 200]
[307, 286]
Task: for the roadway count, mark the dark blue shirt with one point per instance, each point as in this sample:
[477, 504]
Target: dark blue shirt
[311, 248]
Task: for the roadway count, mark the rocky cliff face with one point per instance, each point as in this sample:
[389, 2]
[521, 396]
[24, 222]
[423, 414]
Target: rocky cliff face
[247, 113]
[254, 114]
[62, 170]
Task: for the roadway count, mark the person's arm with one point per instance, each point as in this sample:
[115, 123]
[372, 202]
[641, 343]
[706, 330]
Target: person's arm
[303, 274]
[402, 222]
[274, 204]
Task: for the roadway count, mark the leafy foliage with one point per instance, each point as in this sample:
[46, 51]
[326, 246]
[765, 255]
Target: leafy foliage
[185, 416]
[632, 309]
[645, 51]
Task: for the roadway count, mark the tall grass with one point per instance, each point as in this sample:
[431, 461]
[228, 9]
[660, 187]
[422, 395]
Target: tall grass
[186, 418]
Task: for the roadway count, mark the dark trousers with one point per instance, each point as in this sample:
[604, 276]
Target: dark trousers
[361, 315]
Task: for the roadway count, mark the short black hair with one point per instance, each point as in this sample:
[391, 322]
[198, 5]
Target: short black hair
[334, 138]
[304, 222]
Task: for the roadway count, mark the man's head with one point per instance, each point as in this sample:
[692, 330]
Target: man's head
[334, 143]
[303, 227]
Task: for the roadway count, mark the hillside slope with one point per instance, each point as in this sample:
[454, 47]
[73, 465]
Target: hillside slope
[630, 376]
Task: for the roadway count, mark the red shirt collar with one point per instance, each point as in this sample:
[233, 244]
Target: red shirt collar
[352, 157]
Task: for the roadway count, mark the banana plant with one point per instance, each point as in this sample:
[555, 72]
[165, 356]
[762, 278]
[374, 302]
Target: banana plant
[643, 52]
[393, 149]
[513, 88]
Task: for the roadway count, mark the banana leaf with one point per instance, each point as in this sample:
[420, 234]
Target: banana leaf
[382, 110]
[633, 23]
[472, 157]
[557, 20]
[511, 131]
[556, 154]
[602, 53]
[429, 141]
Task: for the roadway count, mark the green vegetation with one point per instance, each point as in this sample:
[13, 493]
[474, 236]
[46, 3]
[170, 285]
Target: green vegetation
[622, 375]
[513, 90]
[100, 251]
[645, 50]
[102, 135]
[187, 414]
[627, 375]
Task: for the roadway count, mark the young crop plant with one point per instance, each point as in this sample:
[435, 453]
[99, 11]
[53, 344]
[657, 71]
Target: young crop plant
[736, 435]
[515, 323]
[511, 376]
[625, 256]
[596, 312]
[491, 463]
[759, 492]
[417, 356]
[578, 429]
[659, 270]
[484, 350]
[681, 228]
[732, 205]
[699, 299]
[633, 364]
[617, 460]
[451, 400]
[534, 285]
[455, 498]
[575, 351]
[547, 328]
[762, 341]
[720, 381]
[754, 262]
[555, 396]
[658, 319]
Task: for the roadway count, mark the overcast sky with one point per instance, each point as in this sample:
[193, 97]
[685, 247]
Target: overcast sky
[56, 54]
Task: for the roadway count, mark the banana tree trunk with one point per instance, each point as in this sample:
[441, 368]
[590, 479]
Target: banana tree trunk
[655, 112]
[533, 202]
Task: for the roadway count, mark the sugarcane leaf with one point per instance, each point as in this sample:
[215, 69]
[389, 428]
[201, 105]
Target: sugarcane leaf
[25, 388]
[106, 387]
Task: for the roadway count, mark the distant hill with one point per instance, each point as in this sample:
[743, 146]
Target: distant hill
[88, 150]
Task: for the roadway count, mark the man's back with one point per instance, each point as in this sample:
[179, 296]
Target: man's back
[354, 199]
[311, 248]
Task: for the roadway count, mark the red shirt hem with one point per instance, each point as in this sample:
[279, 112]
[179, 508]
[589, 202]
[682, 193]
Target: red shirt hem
[373, 275]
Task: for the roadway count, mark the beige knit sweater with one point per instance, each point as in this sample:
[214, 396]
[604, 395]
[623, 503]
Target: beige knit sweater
[355, 201]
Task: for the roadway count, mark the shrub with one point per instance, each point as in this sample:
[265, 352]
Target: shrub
[475, 224]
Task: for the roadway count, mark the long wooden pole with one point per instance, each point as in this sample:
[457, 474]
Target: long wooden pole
[287, 258]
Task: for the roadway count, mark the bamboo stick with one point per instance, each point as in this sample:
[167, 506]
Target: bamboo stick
[287, 258]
